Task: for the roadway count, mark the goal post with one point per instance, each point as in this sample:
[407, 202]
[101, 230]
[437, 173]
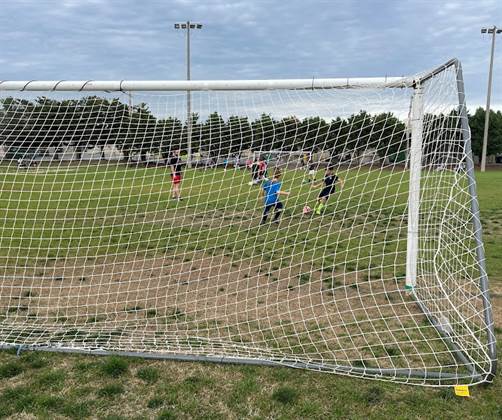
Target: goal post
[116, 240]
[476, 221]
[415, 156]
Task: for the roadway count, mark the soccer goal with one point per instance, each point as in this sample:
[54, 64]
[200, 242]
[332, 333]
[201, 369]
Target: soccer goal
[115, 242]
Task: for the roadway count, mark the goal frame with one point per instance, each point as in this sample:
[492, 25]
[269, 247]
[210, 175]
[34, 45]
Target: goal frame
[416, 122]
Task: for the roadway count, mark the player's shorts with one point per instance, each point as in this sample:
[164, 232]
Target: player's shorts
[326, 192]
[278, 206]
[176, 179]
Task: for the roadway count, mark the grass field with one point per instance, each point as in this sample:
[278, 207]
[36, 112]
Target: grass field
[106, 221]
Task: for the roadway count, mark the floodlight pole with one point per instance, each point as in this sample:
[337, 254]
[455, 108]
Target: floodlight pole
[188, 25]
[129, 102]
[494, 31]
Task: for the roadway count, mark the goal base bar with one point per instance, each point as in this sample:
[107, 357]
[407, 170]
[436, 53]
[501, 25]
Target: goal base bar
[460, 355]
[362, 372]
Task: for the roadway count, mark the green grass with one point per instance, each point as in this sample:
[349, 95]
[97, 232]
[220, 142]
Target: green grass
[148, 374]
[490, 203]
[196, 390]
[49, 385]
[285, 395]
[117, 210]
[11, 369]
[110, 390]
[115, 366]
[93, 199]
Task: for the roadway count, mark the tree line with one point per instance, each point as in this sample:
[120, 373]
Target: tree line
[477, 124]
[85, 123]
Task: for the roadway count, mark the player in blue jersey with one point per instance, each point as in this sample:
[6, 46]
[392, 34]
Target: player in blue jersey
[271, 192]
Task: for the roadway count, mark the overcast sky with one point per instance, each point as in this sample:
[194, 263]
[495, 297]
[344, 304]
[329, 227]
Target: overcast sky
[132, 39]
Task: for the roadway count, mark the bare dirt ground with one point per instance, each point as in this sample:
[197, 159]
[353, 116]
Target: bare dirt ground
[209, 305]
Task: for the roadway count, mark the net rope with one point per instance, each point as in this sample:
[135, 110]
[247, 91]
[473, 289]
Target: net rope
[97, 255]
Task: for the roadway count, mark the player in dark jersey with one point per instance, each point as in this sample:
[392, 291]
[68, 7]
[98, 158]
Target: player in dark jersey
[254, 172]
[176, 174]
[329, 182]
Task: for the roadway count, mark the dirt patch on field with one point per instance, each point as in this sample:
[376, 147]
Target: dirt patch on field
[212, 305]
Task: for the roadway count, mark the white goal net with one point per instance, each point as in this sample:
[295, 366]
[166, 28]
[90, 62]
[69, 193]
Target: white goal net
[156, 223]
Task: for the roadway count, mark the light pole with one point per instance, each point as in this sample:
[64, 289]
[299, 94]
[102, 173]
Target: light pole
[129, 102]
[494, 31]
[188, 25]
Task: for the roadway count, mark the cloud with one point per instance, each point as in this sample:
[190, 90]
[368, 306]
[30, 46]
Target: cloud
[126, 39]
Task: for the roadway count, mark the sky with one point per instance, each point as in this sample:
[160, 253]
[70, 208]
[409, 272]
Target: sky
[253, 39]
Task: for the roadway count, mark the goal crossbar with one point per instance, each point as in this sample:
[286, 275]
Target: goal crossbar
[221, 85]
[202, 85]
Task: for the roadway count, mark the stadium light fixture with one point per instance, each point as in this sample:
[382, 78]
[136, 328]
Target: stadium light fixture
[493, 31]
[188, 26]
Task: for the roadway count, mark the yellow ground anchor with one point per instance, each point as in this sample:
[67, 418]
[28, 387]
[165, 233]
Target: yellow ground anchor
[462, 391]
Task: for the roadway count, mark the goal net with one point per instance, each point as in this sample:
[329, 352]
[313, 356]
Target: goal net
[150, 218]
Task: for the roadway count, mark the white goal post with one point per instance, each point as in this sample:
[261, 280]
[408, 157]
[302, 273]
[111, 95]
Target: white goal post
[374, 269]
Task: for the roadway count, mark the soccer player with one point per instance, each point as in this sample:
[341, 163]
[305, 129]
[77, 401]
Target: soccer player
[329, 181]
[306, 160]
[312, 172]
[262, 169]
[310, 168]
[272, 191]
[254, 172]
[176, 175]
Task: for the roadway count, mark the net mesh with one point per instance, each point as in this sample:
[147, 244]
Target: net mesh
[112, 241]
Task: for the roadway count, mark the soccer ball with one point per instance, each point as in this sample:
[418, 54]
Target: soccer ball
[307, 210]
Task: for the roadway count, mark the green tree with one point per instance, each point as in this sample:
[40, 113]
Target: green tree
[263, 132]
[171, 135]
[477, 124]
[389, 136]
